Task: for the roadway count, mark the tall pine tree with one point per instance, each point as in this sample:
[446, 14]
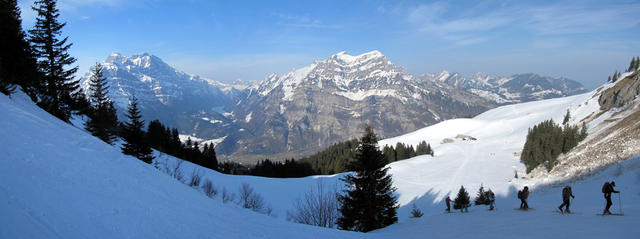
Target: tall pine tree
[103, 121]
[134, 136]
[369, 204]
[59, 92]
[17, 62]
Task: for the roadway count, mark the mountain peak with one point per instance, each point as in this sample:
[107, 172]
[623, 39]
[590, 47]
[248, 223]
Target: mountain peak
[349, 59]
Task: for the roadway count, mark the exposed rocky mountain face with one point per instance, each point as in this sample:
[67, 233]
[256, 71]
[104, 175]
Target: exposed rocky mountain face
[306, 110]
[331, 100]
[614, 128]
[514, 89]
[624, 91]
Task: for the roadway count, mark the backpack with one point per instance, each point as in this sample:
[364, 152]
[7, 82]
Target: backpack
[565, 192]
[519, 194]
[605, 187]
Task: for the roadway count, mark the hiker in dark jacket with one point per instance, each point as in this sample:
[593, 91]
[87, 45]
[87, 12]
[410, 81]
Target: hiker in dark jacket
[523, 195]
[448, 201]
[607, 190]
[566, 193]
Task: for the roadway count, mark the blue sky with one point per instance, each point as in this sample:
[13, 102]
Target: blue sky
[227, 40]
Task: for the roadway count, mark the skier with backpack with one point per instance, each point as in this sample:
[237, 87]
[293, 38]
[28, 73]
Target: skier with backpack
[566, 193]
[523, 195]
[492, 200]
[448, 201]
[607, 189]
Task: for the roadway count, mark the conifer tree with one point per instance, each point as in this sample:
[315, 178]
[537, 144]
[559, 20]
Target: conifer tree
[462, 201]
[416, 212]
[481, 197]
[134, 135]
[60, 93]
[389, 153]
[17, 62]
[615, 77]
[103, 121]
[566, 119]
[210, 159]
[369, 204]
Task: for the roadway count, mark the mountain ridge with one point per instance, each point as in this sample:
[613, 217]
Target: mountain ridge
[302, 111]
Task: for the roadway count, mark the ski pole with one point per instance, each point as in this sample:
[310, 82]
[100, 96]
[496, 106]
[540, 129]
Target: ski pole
[619, 203]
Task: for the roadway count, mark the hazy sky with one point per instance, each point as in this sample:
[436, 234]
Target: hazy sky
[227, 40]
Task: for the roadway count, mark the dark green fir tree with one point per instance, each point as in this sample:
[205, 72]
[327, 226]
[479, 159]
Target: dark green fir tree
[59, 92]
[369, 203]
[210, 159]
[17, 62]
[481, 197]
[462, 201]
[103, 121]
[134, 135]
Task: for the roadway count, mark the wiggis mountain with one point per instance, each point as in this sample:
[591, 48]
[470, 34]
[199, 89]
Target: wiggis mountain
[308, 109]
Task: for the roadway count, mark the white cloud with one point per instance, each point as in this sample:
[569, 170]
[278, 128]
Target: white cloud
[574, 19]
[304, 22]
[564, 18]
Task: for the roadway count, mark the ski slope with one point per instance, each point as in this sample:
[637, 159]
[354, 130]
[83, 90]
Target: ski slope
[57, 181]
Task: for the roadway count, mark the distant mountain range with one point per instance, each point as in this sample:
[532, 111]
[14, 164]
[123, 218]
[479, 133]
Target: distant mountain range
[308, 109]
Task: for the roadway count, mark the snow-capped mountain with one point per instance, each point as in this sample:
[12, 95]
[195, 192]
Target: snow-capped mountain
[163, 92]
[308, 109]
[505, 90]
[331, 100]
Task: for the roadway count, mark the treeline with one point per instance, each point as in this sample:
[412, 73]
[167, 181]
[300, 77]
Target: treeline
[547, 140]
[287, 169]
[167, 140]
[403, 151]
[634, 65]
[335, 159]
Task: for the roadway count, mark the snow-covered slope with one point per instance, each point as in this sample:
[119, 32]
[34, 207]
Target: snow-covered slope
[493, 158]
[57, 181]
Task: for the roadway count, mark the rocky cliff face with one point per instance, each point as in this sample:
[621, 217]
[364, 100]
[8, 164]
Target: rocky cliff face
[328, 101]
[624, 91]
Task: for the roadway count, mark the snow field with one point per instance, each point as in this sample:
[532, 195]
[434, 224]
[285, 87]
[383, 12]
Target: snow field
[57, 181]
